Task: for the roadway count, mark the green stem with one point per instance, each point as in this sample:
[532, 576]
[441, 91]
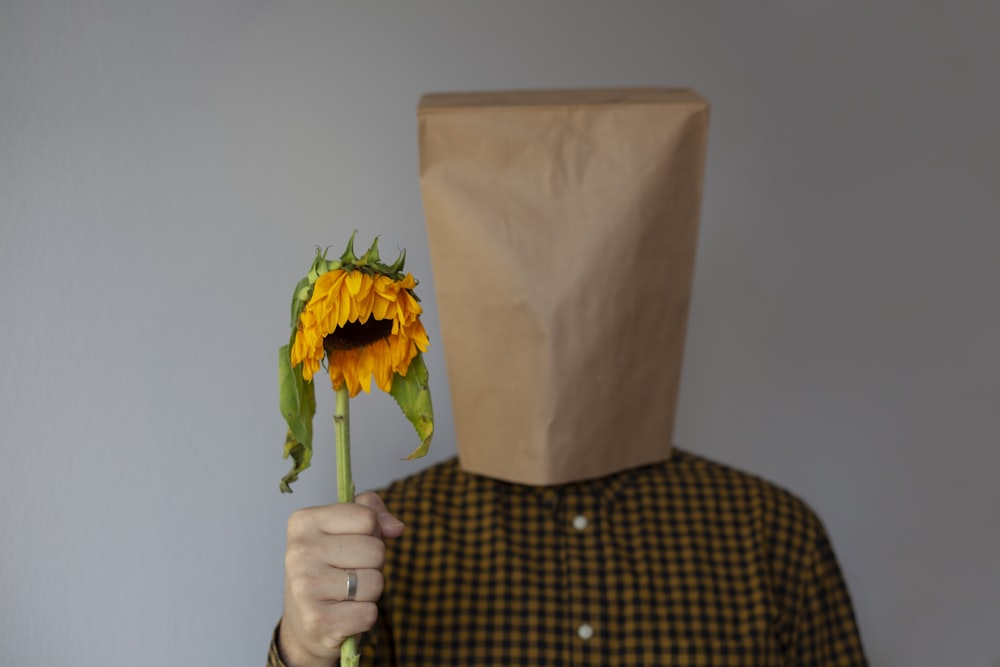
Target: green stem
[345, 493]
[342, 429]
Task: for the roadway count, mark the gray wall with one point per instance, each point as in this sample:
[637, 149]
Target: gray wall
[167, 167]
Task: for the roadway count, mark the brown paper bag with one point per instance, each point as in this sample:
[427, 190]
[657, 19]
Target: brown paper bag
[562, 229]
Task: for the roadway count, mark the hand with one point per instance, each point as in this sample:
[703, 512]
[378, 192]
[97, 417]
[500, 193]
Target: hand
[322, 543]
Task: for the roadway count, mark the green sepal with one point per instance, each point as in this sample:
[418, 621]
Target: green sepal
[300, 297]
[304, 288]
[298, 405]
[319, 266]
[349, 257]
[413, 394]
[370, 262]
[370, 258]
[397, 266]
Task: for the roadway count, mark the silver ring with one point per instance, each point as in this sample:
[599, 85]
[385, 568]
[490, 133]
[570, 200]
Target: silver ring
[352, 583]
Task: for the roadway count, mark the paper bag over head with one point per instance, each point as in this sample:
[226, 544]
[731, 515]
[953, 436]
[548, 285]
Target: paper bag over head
[562, 228]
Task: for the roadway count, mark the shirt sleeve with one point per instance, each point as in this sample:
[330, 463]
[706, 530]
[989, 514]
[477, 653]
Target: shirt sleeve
[369, 649]
[824, 629]
[273, 655]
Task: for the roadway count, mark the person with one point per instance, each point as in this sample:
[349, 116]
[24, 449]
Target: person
[685, 562]
[569, 530]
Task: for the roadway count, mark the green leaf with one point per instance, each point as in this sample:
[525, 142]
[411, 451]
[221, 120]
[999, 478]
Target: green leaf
[413, 394]
[298, 405]
[301, 457]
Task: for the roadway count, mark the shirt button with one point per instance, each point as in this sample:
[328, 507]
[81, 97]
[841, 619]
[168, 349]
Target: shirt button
[580, 522]
[585, 631]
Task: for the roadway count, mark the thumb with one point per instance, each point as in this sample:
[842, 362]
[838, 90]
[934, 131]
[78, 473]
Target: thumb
[389, 525]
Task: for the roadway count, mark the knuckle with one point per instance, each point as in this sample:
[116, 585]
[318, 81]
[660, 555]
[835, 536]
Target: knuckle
[378, 553]
[299, 522]
[314, 623]
[365, 552]
[378, 583]
[367, 522]
[300, 587]
[297, 554]
[331, 642]
[367, 498]
[367, 613]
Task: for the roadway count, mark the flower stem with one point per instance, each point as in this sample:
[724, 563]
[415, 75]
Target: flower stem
[345, 493]
[342, 429]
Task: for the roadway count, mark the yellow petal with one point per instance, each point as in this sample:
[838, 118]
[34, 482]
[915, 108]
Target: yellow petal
[365, 307]
[350, 369]
[407, 304]
[365, 367]
[383, 364]
[380, 306]
[415, 332]
[383, 285]
[344, 313]
[353, 282]
[309, 368]
[365, 298]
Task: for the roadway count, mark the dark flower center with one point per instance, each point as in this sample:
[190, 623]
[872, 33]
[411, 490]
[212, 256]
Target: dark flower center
[354, 335]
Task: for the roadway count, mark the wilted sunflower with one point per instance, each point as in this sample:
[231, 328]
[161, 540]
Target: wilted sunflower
[362, 318]
[365, 322]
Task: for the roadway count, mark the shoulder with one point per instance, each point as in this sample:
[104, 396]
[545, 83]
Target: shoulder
[686, 480]
[773, 509]
[778, 530]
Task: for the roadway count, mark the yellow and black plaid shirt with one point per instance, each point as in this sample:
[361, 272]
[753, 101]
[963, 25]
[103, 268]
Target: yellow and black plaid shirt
[687, 562]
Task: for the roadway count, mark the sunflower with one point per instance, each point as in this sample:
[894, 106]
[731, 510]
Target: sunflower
[361, 317]
[364, 323]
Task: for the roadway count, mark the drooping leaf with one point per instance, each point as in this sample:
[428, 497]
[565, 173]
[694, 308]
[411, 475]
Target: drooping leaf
[298, 405]
[301, 458]
[413, 395]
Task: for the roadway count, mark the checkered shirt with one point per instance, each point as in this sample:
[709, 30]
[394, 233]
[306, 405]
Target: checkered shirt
[686, 563]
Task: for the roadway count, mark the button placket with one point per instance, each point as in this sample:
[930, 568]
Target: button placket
[585, 570]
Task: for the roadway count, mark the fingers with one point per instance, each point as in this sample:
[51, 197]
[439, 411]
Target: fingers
[318, 556]
[389, 525]
[323, 544]
[331, 585]
[367, 515]
[352, 618]
[312, 636]
[328, 625]
[337, 519]
[368, 585]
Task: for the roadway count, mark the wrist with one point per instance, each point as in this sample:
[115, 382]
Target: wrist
[293, 654]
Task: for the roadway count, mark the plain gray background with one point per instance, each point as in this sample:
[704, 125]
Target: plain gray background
[166, 169]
